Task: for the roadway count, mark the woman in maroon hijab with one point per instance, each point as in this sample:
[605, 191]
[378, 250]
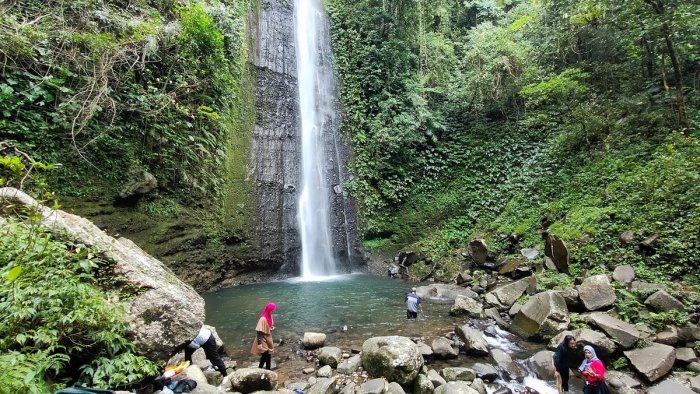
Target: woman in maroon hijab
[262, 343]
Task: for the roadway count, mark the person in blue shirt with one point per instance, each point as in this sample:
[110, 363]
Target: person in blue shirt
[412, 304]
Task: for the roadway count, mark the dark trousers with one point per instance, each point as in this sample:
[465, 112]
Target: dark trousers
[411, 315]
[266, 360]
[212, 354]
[564, 375]
[599, 388]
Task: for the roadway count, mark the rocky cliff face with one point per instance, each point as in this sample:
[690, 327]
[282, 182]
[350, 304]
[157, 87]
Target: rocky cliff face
[276, 152]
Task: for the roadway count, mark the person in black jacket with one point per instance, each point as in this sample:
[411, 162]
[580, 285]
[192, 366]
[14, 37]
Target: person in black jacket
[563, 358]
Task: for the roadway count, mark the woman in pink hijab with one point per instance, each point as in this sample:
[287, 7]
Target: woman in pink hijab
[262, 343]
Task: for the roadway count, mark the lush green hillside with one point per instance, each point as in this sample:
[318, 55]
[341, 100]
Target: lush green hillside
[504, 119]
[108, 89]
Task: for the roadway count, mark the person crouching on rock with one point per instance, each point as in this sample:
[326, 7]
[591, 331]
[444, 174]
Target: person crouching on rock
[262, 343]
[206, 340]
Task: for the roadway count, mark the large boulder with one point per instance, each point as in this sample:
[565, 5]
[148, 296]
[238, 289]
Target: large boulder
[442, 348]
[467, 306]
[435, 378]
[624, 274]
[140, 184]
[652, 362]
[503, 297]
[686, 355]
[457, 387]
[165, 311]
[350, 365]
[329, 355]
[558, 254]
[604, 346]
[621, 382]
[663, 302]
[248, 380]
[621, 332]
[541, 364]
[313, 340]
[423, 385]
[324, 386]
[445, 292]
[458, 373]
[510, 369]
[485, 372]
[669, 386]
[375, 386]
[480, 252]
[596, 292]
[474, 341]
[543, 316]
[393, 357]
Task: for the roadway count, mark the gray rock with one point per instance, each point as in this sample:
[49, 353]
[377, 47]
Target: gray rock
[350, 365]
[623, 333]
[308, 370]
[375, 386]
[195, 373]
[689, 333]
[669, 386]
[313, 340]
[480, 252]
[694, 366]
[395, 358]
[543, 315]
[627, 237]
[514, 309]
[442, 348]
[323, 386]
[663, 302]
[467, 306]
[458, 373]
[557, 252]
[248, 380]
[510, 369]
[596, 292]
[423, 385]
[325, 372]
[645, 286]
[424, 349]
[479, 386]
[474, 341]
[652, 362]
[604, 346]
[485, 372]
[165, 311]
[686, 355]
[445, 292]
[329, 355]
[541, 364]
[435, 378]
[350, 388]
[457, 387]
[669, 336]
[141, 184]
[695, 384]
[503, 297]
[621, 382]
[462, 277]
[529, 253]
[496, 316]
[624, 274]
[571, 297]
[395, 388]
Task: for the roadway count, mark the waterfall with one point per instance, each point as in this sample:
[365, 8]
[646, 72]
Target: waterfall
[318, 116]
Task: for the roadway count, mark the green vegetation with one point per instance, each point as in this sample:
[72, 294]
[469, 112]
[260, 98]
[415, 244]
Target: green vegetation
[502, 119]
[110, 89]
[62, 320]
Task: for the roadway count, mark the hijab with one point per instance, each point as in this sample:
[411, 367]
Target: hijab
[267, 313]
[588, 361]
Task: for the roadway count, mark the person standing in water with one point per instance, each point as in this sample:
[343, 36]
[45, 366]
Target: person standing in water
[412, 304]
[562, 360]
[262, 343]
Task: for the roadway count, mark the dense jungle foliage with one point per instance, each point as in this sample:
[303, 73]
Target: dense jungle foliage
[93, 92]
[109, 89]
[503, 119]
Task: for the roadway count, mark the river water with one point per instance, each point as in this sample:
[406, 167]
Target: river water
[349, 309]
